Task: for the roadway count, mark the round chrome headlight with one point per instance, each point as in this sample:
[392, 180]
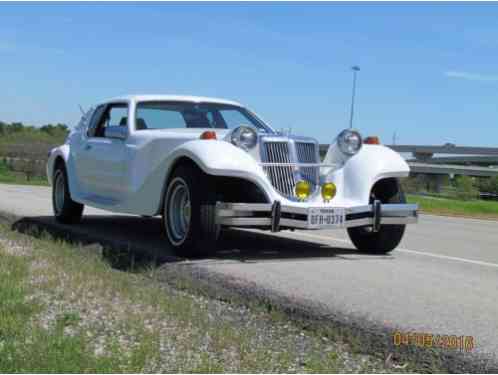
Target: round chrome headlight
[349, 141]
[244, 137]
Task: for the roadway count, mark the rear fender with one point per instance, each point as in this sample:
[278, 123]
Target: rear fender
[61, 152]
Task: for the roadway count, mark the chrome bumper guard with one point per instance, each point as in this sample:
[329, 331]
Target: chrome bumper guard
[276, 216]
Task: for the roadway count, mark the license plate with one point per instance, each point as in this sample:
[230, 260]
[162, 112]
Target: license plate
[326, 217]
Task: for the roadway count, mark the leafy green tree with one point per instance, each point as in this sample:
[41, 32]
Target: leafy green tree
[62, 128]
[490, 185]
[494, 184]
[466, 188]
[47, 128]
[16, 127]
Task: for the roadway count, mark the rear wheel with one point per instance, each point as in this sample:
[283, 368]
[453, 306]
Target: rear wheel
[189, 212]
[389, 236]
[65, 209]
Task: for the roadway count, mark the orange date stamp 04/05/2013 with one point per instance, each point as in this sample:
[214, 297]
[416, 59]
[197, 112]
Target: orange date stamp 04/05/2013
[430, 340]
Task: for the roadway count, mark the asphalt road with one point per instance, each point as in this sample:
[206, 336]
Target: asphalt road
[442, 280]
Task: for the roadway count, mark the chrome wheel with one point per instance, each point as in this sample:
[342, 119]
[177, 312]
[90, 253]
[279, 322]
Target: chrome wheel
[178, 210]
[59, 192]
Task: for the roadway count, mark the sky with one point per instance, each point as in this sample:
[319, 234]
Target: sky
[429, 71]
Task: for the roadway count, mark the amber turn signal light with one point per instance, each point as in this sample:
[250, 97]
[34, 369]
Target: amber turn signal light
[372, 140]
[209, 134]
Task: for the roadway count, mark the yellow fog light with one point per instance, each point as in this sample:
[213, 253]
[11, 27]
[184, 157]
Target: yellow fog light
[303, 190]
[328, 191]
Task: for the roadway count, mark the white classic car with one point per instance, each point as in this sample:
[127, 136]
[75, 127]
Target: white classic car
[203, 164]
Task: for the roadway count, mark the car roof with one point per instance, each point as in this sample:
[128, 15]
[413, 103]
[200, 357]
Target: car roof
[174, 98]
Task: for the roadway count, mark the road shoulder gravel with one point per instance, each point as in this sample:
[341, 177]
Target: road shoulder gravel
[366, 339]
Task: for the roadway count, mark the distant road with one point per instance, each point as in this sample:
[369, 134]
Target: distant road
[442, 280]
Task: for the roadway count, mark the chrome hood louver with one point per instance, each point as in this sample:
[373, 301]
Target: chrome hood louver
[289, 159]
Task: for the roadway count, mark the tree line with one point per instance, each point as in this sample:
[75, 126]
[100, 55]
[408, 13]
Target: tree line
[24, 148]
[460, 187]
[18, 129]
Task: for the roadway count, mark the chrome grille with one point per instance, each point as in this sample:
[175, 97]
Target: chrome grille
[281, 177]
[306, 153]
[288, 151]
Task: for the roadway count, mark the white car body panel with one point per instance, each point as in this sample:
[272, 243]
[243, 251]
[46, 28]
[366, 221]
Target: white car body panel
[130, 175]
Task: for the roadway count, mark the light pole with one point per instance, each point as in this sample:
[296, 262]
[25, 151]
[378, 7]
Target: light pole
[355, 70]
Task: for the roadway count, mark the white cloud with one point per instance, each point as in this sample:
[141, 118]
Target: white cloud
[471, 76]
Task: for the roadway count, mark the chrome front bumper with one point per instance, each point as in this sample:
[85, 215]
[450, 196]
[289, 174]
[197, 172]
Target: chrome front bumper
[277, 216]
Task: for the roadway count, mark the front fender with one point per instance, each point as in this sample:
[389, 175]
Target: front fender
[217, 158]
[371, 164]
[147, 183]
[220, 158]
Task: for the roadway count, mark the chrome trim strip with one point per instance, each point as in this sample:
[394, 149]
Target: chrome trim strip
[301, 224]
[242, 214]
[358, 209]
[399, 220]
[388, 209]
[244, 206]
[295, 210]
[245, 221]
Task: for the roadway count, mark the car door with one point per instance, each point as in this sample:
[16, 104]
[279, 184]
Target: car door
[102, 159]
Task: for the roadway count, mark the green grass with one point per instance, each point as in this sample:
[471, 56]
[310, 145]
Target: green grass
[26, 348]
[453, 207]
[9, 177]
[76, 281]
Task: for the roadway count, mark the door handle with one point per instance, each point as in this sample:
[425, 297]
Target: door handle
[88, 147]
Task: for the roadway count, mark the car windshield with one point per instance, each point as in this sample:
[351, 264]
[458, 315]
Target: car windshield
[174, 115]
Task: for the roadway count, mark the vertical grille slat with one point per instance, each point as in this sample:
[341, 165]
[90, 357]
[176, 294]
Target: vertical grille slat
[306, 153]
[280, 173]
[282, 177]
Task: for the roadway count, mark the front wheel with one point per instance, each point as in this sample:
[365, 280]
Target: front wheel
[389, 236]
[189, 212]
[66, 210]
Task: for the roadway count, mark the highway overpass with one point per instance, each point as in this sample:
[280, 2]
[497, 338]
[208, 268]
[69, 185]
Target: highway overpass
[461, 160]
[459, 163]
[445, 149]
[452, 169]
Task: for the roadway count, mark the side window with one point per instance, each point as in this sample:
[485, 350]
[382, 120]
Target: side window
[211, 119]
[234, 118]
[153, 116]
[97, 114]
[118, 116]
[114, 115]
